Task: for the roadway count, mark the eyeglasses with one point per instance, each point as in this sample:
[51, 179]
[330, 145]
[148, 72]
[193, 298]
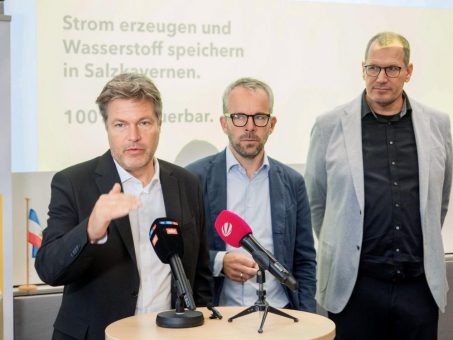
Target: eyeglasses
[241, 119]
[391, 71]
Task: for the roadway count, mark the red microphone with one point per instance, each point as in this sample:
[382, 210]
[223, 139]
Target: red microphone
[231, 228]
[236, 232]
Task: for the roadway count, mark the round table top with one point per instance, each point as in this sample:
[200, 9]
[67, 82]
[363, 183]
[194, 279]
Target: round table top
[310, 326]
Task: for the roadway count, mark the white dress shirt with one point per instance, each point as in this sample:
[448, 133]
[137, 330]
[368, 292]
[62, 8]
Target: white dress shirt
[155, 276]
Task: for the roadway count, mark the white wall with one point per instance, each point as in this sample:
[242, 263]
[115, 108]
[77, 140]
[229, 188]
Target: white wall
[5, 175]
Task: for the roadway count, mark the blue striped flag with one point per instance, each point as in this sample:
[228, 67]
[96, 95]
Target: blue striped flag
[34, 232]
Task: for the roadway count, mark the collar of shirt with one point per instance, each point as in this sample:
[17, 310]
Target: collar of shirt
[232, 163]
[134, 185]
[366, 110]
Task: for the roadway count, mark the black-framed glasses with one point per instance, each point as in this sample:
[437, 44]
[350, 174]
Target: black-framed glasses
[241, 119]
[391, 71]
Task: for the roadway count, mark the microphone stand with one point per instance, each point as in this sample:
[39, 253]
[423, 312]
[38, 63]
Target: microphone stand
[261, 304]
[179, 317]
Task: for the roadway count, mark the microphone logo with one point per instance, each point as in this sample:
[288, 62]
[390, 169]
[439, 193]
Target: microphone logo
[227, 228]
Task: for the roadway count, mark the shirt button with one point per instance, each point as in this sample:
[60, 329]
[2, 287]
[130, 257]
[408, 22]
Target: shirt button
[397, 227]
[393, 163]
[397, 250]
[391, 142]
[398, 272]
[395, 183]
[397, 205]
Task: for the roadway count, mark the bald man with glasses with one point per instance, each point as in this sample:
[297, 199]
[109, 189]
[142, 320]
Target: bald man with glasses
[267, 194]
[378, 176]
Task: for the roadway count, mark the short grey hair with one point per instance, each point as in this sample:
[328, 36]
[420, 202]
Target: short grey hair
[248, 83]
[129, 86]
[385, 39]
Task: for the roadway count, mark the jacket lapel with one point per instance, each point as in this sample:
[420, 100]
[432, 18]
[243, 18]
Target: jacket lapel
[422, 130]
[170, 191]
[216, 185]
[107, 175]
[352, 132]
[278, 208]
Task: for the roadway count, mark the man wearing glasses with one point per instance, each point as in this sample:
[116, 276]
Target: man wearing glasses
[378, 178]
[267, 194]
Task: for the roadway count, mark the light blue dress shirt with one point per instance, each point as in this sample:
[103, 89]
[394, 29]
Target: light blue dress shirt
[249, 198]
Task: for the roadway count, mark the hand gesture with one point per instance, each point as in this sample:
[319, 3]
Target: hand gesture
[108, 207]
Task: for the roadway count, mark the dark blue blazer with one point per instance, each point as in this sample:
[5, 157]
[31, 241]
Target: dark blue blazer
[291, 225]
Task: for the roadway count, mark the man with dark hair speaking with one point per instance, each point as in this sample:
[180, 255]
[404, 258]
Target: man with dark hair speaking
[96, 242]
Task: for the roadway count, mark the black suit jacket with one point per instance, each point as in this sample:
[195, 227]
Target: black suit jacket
[102, 281]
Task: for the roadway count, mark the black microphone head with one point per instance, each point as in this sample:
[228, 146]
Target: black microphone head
[165, 236]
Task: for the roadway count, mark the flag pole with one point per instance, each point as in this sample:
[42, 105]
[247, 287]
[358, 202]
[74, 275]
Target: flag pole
[27, 287]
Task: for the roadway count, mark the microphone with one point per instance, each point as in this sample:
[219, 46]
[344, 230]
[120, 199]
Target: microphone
[165, 236]
[168, 244]
[236, 232]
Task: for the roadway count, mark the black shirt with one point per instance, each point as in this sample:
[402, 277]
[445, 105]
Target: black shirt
[392, 245]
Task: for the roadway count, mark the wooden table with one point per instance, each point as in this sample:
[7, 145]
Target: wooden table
[310, 326]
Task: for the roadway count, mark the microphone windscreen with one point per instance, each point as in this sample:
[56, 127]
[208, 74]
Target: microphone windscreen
[165, 236]
[231, 228]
